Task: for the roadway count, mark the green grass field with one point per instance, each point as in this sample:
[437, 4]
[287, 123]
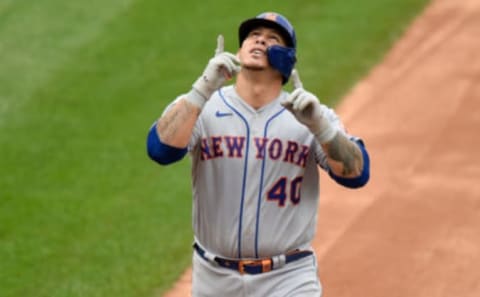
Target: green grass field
[83, 211]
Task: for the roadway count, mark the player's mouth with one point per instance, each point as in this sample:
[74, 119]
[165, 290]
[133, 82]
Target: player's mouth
[256, 52]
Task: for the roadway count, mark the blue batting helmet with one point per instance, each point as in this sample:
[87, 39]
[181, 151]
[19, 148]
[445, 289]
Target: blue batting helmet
[281, 58]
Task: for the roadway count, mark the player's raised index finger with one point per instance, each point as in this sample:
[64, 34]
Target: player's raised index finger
[297, 83]
[220, 45]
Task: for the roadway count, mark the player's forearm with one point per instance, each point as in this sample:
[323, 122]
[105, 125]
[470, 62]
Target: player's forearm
[344, 157]
[175, 126]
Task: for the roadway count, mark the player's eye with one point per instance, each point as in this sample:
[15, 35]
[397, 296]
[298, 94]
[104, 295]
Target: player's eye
[274, 38]
[254, 33]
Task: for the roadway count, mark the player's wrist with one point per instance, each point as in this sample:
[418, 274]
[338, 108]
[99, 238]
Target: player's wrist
[206, 85]
[323, 130]
[196, 98]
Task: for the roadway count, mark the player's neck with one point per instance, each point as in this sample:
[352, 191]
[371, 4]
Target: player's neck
[257, 92]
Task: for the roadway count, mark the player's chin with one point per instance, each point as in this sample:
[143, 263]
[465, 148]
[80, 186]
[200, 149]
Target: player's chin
[255, 65]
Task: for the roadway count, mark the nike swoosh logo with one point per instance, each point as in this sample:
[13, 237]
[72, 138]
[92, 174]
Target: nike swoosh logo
[220, 114]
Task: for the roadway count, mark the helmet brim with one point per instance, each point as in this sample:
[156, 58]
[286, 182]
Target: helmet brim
[247, 26]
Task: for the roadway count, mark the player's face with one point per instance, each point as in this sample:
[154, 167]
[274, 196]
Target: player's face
[253, 53]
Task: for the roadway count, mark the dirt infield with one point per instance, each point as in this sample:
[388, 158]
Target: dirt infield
[415, 229]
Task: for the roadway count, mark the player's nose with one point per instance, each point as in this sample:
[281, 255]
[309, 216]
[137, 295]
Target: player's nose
[260, 40]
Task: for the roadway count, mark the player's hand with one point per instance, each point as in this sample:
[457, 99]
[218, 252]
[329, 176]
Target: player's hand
[304, 105]
[308, 110]
[222, 67]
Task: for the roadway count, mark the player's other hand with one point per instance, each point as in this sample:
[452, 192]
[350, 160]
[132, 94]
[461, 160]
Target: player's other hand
[308, 110]
[304, 105]
[222, 67]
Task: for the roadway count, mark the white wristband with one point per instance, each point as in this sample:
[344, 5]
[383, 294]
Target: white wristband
[325, 131]
[196, 98]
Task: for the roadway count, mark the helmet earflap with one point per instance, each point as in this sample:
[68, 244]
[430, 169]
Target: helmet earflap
[283, 59]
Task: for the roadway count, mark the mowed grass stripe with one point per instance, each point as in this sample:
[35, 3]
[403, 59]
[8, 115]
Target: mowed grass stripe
[83, 212]
[73, 223]
[37, 37]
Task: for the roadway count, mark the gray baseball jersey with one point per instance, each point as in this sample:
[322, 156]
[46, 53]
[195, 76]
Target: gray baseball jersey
[255, 177]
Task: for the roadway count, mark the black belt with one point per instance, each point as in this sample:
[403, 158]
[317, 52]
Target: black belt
[253, 266]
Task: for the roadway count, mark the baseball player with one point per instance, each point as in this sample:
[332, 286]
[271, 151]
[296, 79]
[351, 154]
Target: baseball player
[255, 152]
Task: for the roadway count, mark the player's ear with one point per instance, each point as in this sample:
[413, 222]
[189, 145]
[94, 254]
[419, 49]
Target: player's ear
[238, 56]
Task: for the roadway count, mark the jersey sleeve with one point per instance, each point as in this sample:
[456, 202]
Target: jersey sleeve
[196, 135]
